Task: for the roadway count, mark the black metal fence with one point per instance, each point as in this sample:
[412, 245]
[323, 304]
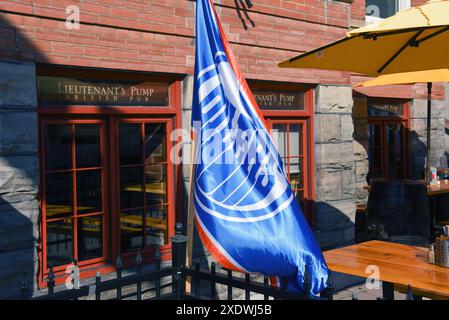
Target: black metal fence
[179, 274]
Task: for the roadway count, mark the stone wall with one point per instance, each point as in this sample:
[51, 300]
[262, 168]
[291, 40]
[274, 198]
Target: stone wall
[334, 165]
[418, 125]
[360, 145]
[19, 177]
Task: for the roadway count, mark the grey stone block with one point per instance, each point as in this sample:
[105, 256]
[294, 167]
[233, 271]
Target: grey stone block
[347, 127]
[18, 84]
[360, 150]
[419, 109]
[327, 128]
[187, 90]
[349, 233]
[328, 186]
[19, 177]
[347, 184]
[329, 238]
[18, 132]
[333, 99]
[335, 215]
[334, 156]
[19, 225]
[361, 169]
[12, 266]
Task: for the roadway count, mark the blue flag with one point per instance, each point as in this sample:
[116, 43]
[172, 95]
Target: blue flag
[245, 211]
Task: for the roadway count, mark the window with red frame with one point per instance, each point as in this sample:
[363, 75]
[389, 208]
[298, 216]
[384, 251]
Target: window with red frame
[388, 139]
[108, 185]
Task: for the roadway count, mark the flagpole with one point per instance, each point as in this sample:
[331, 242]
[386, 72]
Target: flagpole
[190, 214]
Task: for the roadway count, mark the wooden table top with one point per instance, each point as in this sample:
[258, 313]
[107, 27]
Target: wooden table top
[441, 188]
[432, 190]
[398, 264]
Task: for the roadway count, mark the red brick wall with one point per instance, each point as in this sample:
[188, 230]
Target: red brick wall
[415, 3]
[159, 35]
[358, 9]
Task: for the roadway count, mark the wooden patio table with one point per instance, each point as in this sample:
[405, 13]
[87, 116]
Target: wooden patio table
[399, 266]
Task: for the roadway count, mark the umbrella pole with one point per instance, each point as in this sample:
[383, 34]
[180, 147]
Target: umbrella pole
[429, 124]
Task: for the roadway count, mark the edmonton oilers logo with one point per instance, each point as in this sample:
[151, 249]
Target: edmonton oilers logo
[239, 176]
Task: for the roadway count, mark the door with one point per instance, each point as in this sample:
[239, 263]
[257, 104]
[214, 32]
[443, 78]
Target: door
[291, 139]
[388, 149]
[73, 195]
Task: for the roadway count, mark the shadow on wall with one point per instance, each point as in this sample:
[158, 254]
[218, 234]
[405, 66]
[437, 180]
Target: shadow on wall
[19, 173]
[240, 7]
[417, 148]
[334, 228]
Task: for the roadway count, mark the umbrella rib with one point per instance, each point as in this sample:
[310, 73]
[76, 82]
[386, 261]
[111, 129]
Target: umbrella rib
[411, 41]
[432, 35]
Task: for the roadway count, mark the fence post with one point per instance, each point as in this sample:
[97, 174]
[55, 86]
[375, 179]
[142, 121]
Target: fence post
[75, 277]
[97, 284]
[265, 283]
[157, 257]
[328, 293]
[307, 282]
[229, 285]
[118, 268]
[196, 280]
[51, 281]
[179, 244]
[24, 287]
[283, 283]
[409, 294]
[139, 274]
[212, 283]
[247, 293]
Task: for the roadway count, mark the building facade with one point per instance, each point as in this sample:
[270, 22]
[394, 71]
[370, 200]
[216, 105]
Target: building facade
[95, 95]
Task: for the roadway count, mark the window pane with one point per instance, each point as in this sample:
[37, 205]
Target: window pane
[299, 195]
[377, 173]
[156, 184]
[87, 139]
[90, 238]
[88, 185]
[374, 135]
[130, 143]
[376, 157]
[280, 133]
[155, 147]
[131, 187]
[59, 196]
[295, 140]
[59, 242]
[381, 8]
[131, 230]
[296, 174]
[392, 131]
[156, 228]
[58, 146]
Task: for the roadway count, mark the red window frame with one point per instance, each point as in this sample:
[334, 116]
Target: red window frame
[74, 170]
[111, 116]
[305, 118]
[383, 122]
[166, 249]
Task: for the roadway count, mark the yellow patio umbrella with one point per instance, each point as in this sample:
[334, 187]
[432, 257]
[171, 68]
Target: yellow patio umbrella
[412, 40]
[429, 76]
